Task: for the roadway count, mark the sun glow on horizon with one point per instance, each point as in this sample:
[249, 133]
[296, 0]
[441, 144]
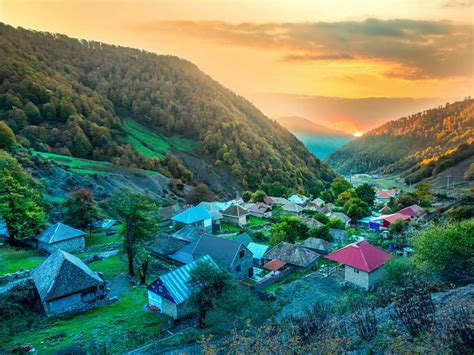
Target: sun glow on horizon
[357, 134]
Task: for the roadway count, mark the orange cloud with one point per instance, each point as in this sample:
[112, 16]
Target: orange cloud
[412, 49]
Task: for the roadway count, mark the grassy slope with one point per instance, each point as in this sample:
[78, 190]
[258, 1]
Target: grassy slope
[13, 259]
[155, 145]
[77, 165]
[120, 325]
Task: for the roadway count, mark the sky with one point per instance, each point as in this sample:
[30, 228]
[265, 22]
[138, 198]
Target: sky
[273, 51]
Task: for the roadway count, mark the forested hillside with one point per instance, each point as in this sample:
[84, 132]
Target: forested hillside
[420, 145]
[76, 97]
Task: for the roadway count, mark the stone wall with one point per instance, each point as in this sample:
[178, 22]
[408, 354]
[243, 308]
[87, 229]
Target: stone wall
[357, 277]
[70, 246]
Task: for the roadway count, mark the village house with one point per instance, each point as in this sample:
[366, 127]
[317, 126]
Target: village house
[293, 208]
[318, 245]
[235, 215]
[63, 237]
[269, 200]
[258, 250]
[261, 210]
[411, 211]
[327, 208]
[383, 196]
[387, 220]
[169, 293]
[294, 255]
[362, 263]
[166, 213]
[339, 235]
[65, 284]
[197, 216]
[299, 199]
[311, 223]
[229, 254]
[216, 214]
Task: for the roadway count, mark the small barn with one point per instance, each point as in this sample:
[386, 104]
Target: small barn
[169, 293]
[63, 237]
[65, 284]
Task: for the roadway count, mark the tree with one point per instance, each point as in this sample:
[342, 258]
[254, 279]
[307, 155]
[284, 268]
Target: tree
[290, 229]
[247, 196]
[447, 249]
[339, 185]
[366, 193]
[275, 189]
[208, 283]
[20, 201]
[423, 193]
[402, 201]
[138, 214]
[397, 226]
[7, 137]
[81, 208]
[322, 232]
[258, 196]
[199, 194]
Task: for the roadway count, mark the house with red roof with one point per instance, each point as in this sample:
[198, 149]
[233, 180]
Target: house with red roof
[387, 220]
[411, 211]
[362, 263]
[386, 195]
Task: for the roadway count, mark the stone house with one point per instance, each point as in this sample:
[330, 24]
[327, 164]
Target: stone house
[362, 263]
[236, 215]
[63, 237]
[318, 245]
[169, 293]
[228, 254]
[66, 285]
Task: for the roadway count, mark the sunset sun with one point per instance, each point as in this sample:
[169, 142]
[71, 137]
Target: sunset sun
[357, 134]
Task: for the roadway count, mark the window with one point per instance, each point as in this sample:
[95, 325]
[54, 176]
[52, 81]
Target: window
[250, 271]
[238, 268]
[355, 270]
[242, 254]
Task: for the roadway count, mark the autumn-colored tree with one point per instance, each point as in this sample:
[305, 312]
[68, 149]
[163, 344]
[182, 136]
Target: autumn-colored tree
[80, 208]
[7, 137]
[199, 193]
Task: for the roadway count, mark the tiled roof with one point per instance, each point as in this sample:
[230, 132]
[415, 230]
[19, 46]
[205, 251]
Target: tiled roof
[360, 255]
[292, 254]
[316, 244]
[411, 211]
[176, 282]
[165, 245]
[192, 215]
[274, 265]
[235, 211]
[62, 274]
[386, 193]
[292, 207]
[59, 232]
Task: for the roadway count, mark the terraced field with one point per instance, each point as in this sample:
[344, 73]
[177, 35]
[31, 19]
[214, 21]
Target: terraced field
[152, 144]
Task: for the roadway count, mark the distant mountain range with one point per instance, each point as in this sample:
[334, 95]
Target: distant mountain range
[319, 139]
[347, 114]
[418, 146]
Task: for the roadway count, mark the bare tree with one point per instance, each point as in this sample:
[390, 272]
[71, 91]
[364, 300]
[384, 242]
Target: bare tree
[365, 322]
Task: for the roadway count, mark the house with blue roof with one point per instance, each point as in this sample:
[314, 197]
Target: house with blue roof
[169, 293]
[197, 216]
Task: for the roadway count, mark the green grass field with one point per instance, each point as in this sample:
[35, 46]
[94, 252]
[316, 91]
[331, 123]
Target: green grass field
[151, 144]
[230, 228]
[78, 165]
[256, 221]
[13, 259]
[119, 326]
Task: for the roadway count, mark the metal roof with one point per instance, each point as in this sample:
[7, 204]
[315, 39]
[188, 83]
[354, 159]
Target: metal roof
[257, 250]
[192, 215]
[176, 282]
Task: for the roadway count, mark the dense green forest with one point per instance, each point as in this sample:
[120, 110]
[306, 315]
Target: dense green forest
[74, 97]
[420, 145]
